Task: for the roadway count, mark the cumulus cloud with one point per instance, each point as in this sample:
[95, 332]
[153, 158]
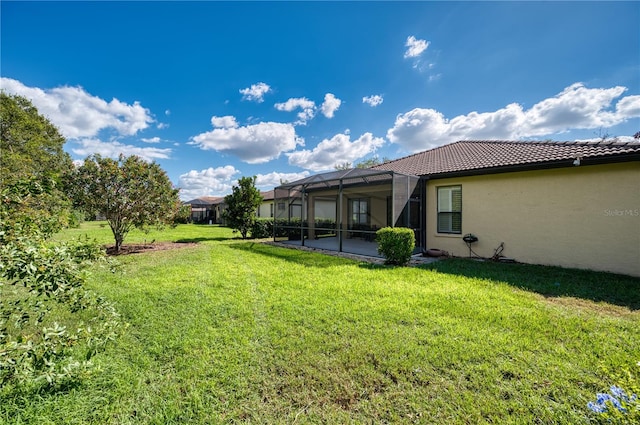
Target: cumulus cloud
[151, 140]
[90, 146]
[295, 103]
[256, 92]
[308, 108]
[338, 149]
[373, 100]
[227, 121]
[576, 107]
[254, 144]
[78, 114]
[209, 182]
[330, 105]
[415, 47]
[271, 180]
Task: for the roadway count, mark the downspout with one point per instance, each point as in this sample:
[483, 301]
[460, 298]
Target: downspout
[423, 207]
[393, 199]
[302, 211]
[340, 216]
[275, 212]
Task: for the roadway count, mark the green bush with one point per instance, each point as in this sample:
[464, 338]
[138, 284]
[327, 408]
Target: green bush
[183, 215]
[261, 228]
[50, 325]
[396, 244]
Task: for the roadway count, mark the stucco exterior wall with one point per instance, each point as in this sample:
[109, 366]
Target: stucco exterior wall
[265, 209]
[586, 217]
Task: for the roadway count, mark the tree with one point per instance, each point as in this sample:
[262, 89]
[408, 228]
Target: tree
[45, 342]
[242, 203]
[32, 166]
[128, 191]
[365, 163]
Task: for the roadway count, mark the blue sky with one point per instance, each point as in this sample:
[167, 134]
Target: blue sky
[213, 91]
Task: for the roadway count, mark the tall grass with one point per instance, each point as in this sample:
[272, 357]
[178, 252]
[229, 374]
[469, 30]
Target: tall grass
[234, 331]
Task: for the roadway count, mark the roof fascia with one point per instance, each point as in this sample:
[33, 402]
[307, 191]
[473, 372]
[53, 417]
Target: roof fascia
[565, 163]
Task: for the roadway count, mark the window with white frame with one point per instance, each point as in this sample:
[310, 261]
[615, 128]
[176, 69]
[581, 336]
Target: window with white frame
[450, 209]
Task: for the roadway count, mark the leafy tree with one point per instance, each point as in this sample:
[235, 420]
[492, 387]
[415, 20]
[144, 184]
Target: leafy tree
[365, 163]
[128, 191]
[50, 325]
[241, 205]
[32, 166]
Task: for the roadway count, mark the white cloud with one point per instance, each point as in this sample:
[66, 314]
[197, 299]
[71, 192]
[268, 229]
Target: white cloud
[254, 144]
[628, 107]
[227, 121]
[271, 180]
[113, 149]
[373, 100]
[576, 107]
[167, 112]
[256, 92]
[151, 140]
[338, 149]
[330, 105]
[209, 182]
[308, 108]
[415, 47]
[78, 114]
[295, 103]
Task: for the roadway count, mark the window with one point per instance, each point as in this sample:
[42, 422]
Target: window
[281, 206]
[359, 211]
[270, 210]
[450, 209]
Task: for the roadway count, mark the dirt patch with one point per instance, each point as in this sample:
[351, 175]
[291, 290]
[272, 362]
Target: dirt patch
[127, 249]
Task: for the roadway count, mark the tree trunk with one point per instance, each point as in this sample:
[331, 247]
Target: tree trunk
[119, 239]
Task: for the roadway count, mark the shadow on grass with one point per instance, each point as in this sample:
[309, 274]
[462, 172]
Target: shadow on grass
[305, 258]
[201, 239]
[550, 281]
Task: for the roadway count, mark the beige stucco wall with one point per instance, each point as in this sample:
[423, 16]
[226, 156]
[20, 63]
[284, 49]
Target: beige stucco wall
[265, 209]
[585, 217]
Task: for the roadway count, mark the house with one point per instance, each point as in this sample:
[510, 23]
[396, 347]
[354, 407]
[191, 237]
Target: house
[266, 207]
[283, 208]
[571, 204]
[206, 209]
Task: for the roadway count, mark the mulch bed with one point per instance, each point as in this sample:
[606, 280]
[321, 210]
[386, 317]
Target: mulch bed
[127, 249]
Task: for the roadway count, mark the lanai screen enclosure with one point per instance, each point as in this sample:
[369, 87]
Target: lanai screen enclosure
[342, 210]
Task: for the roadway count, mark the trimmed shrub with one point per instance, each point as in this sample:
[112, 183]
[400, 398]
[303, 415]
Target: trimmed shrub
[396, 244]
[261, 228]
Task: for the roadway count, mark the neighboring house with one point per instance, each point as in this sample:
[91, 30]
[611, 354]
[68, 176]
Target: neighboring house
[266, 208]
[206, 209]
[571, 204]
[283, 208]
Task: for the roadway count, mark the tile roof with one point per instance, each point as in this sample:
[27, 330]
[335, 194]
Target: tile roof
[483, 155]
[205, 200]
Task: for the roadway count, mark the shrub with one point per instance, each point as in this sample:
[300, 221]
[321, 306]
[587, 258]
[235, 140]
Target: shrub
[396, 244]
[183, 215]
[261, 228]
[50, 325]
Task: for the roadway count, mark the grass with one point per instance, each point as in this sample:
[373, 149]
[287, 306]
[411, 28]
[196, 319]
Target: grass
[234, 331]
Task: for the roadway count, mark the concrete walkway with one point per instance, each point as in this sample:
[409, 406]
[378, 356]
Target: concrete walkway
[352, 248]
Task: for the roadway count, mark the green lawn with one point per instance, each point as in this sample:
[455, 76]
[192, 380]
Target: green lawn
[233, 331]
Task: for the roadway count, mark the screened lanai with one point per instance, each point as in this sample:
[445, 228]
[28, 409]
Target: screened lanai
[342, 210]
